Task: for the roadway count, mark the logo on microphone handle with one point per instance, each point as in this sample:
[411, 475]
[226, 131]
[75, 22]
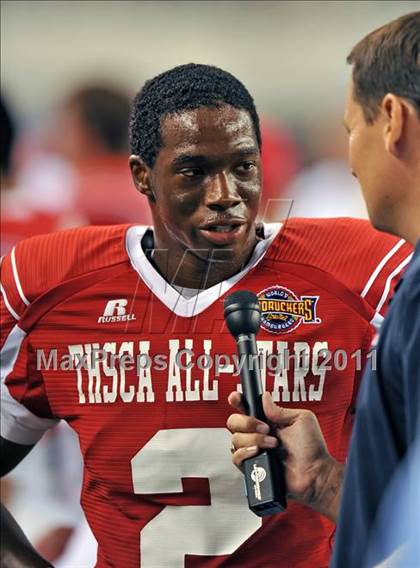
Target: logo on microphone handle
[258, 475]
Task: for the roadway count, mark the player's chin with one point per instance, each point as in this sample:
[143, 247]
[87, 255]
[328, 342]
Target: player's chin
[215, 254]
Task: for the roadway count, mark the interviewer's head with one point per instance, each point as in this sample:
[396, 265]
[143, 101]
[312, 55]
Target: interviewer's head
[383, 120]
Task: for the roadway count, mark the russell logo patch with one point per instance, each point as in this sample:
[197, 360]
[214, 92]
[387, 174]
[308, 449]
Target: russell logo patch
[282, 311]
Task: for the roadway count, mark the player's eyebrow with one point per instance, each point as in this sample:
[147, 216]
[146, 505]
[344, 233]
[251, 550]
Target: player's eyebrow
[200, 159]
[187, 159]
[246, 151]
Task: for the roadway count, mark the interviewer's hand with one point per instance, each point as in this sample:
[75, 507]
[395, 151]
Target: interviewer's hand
[312, 476]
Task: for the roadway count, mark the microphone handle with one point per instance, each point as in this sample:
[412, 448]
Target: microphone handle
[250, 376]
[263, 473]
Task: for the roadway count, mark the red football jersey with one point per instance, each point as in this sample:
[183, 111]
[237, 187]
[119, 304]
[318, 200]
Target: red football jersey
[159, 488]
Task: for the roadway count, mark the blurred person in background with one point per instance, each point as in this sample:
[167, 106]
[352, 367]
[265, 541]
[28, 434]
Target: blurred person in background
[49, 514]
[95, 119]
[18, 219]
[90, 133]
[325, 187]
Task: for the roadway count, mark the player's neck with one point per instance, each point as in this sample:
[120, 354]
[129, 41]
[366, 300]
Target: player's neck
[186, 269]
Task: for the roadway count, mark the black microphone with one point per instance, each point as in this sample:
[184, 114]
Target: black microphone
[264, 474]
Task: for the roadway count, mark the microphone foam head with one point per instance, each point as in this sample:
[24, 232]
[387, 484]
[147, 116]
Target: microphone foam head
[242, 313]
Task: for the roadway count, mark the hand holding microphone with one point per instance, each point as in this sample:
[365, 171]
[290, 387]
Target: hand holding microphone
[310, 475]
[264, 475]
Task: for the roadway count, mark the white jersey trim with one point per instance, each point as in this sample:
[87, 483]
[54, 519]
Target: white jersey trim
[168, 295]
[18, 424]
[389, 280]
[378, 269]
[16, 277]
[377, 321]
[7, 303]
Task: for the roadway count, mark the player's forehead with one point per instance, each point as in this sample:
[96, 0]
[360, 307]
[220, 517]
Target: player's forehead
[208, 129]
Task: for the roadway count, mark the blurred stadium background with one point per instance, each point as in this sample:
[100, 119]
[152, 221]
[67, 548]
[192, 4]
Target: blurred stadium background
[68, 72]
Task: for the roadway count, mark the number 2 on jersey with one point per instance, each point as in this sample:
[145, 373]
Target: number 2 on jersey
[208, 530]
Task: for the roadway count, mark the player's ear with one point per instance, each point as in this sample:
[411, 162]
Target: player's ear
[394, 112]
[141, 176]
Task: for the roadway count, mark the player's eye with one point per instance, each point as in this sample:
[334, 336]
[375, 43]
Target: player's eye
[245, 168]
[191, 172]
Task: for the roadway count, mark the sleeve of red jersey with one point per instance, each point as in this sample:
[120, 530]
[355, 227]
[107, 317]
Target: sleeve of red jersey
[13, 302]
[39, 263]
[25, 411]
[390, 257]
[22, 281]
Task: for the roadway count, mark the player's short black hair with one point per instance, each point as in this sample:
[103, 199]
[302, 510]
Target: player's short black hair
[8, 132]
[180, 89]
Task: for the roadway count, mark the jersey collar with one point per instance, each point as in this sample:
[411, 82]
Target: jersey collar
[168, 295]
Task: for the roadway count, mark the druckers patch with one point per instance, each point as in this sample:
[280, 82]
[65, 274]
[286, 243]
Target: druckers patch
[282, 311]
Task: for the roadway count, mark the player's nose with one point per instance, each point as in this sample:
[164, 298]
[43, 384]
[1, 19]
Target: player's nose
[222, 193]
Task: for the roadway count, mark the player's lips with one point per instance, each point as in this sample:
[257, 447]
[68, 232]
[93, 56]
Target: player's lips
[223, 231]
